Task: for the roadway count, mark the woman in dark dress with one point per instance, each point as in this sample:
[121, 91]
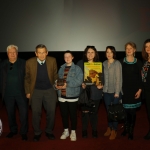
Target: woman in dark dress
[91, 55]
[146, 80]
[131, 88]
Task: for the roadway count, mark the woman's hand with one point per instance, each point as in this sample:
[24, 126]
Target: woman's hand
[83, 85]
[116, 95]
[138, 93]
[99, 86]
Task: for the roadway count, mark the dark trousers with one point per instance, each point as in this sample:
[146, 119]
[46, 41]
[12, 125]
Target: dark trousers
[147, 101]
[69, 108]
[92, 117]
[21, 102]
[48, 99]
[109, 99]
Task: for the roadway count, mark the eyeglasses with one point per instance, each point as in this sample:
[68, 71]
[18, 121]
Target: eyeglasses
[11, 66]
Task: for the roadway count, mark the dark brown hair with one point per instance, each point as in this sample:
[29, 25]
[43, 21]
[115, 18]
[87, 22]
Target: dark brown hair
[144, 54]
[113, 50]
[68, 51]
[96, 58]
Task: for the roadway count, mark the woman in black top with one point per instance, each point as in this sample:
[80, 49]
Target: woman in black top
[90, 55]
[131, 87]
[146, 79]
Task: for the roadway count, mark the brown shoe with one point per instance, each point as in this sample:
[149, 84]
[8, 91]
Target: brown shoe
[108, 132]
[113, 135]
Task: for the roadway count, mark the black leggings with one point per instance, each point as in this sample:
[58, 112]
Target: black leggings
[131, 116]
[147, 101]
[69, 109]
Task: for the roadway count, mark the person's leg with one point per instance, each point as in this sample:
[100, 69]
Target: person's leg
[115, 101]
[94, 116]
[49, 103]
[132, 118]
[64, 109]
[85, 121]
[107, 100]
[10, 107]
[36, 105]
[73, 118]
[94, 119]
[114, 124]
[73, 114]
[147, 102]
[64, 114]
[126, 123]
[23, 111]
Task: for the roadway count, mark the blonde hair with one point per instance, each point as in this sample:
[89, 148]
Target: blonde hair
[12, 46]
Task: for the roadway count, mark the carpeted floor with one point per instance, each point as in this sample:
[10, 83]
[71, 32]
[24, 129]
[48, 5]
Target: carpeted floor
[101, 143]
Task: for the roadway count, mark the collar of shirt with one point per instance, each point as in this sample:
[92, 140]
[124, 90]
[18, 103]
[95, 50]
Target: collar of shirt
[40, 62]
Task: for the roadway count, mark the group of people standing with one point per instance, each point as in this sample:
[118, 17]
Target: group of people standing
[36, 79]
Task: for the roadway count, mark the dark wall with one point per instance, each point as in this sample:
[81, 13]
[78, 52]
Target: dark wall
[59, 56]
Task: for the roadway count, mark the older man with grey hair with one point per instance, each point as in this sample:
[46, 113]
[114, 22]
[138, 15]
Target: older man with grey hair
[12, 73]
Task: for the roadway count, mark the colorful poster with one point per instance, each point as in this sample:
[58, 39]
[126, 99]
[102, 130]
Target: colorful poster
[93, 73]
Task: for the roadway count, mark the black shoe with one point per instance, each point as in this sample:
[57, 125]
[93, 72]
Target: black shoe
[94, 134]
[50, 136]
[147, 136]
[11, 134]
[84, 134]
[24, 137]
[131, 129]
[37, 137]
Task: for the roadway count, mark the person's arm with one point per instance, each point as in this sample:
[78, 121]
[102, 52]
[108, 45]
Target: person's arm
[27, 80]
[118, 78]
[55, 75]
[138, 93]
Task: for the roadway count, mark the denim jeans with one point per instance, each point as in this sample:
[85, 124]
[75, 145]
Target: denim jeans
[109, 99]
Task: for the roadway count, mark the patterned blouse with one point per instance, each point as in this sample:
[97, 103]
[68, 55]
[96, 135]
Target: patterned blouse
[145, 70]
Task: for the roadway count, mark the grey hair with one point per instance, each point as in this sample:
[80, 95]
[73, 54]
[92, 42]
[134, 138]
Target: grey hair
[12, 46]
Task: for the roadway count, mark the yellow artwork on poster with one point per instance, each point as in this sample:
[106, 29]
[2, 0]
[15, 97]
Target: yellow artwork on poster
[93, 73]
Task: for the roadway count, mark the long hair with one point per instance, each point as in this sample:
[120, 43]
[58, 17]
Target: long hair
[144, 54]
[96, 58]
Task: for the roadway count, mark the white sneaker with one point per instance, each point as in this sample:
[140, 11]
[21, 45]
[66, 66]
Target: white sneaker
[64, 135]
[73, 136]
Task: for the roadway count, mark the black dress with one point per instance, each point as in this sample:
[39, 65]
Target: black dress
[132, 82]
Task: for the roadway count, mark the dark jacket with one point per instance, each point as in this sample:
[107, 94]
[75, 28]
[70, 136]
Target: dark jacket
[96, 94]
[3, 75]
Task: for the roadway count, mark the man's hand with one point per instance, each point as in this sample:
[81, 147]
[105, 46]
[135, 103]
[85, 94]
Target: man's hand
[28, 96]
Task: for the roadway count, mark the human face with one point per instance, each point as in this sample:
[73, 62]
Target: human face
[130, 50]
[147, 48]
[41, 53]
[12, 55]
[90, 55]
[68, 58]
[109, 54]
